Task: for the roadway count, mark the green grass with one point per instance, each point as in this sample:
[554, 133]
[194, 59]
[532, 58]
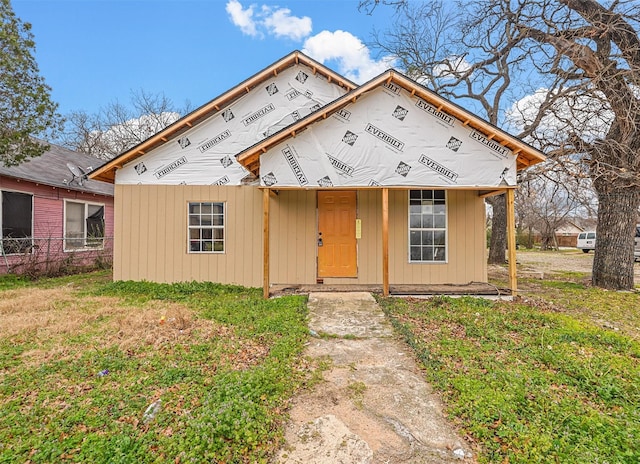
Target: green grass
[224, 364]
[532, 381]
[610, 309]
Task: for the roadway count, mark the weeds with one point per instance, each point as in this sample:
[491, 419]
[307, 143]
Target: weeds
[220, 362]
[528, 384]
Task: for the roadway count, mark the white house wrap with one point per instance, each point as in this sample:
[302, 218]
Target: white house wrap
[204, 155]
[388, 138]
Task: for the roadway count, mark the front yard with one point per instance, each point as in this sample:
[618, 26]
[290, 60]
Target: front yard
[552, 377]
[83, 359]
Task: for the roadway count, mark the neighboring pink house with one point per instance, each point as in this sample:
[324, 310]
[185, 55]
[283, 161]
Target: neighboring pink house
[52, 216]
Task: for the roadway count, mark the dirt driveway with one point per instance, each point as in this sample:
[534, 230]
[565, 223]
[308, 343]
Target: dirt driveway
[566, 260]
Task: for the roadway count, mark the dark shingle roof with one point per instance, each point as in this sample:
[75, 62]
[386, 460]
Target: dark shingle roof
[51, 169]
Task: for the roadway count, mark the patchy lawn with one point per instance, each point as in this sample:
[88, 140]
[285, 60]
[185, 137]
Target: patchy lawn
[82, 359]
[554, 377]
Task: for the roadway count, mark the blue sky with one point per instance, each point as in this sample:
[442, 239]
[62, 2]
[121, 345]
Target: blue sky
[92, 52]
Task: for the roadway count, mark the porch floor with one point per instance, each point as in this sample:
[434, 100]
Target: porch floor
[472, 288]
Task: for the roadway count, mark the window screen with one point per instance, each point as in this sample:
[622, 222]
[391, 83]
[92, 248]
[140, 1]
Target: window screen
[17, 225]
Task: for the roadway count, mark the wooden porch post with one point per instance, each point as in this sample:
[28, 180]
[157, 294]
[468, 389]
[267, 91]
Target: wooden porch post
[265, 243]
[385, 242]
[511, 242]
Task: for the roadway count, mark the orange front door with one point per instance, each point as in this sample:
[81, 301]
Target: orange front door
[337, 256]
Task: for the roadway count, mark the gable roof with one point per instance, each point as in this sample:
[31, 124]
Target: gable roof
[526, 154]
[51, 169]
[107, 171]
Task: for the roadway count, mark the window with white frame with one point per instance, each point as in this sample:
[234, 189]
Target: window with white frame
[206, 227]
[427, 226]
[17, 222]
[83, 225]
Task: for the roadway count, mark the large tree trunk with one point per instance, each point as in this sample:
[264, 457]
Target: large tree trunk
[617, 216]
[498, 244]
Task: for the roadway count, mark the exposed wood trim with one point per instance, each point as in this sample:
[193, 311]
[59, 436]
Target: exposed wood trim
[492, 193]
[511, 242]
[385, 242]
[265, 243]
[105, 172]
[478, 188]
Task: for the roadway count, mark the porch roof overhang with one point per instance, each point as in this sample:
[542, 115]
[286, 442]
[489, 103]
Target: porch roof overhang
[525, 153]
[107, 172]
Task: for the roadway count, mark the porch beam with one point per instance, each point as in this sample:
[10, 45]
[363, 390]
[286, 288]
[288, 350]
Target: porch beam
[491, 193]
[511, 241]
[265, 243]
[385, 242]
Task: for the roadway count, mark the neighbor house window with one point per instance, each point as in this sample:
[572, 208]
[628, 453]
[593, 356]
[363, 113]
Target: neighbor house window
[427, 226]
[83, 225]
[206, 227]
[17, 222]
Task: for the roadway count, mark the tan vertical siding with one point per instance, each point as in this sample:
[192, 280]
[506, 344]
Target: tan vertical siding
[293, 237]
[466, 260]
[151, 235]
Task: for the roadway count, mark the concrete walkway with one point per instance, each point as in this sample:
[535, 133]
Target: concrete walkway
[373, 405]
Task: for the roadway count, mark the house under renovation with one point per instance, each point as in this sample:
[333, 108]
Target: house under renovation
[299, 177]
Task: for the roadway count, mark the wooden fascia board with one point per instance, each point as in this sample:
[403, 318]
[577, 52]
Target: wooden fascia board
[530, 154]
[485, 190]
[245, 157]
[520, 148]
[213, 107]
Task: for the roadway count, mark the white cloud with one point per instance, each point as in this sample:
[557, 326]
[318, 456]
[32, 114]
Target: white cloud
[282, 24]
[265, 20]
[242, 18]
[451, 68]
[345, 51]
[585, 115]
[353, 58]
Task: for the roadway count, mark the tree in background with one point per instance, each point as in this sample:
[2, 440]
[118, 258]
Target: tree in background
[580, 61]
[116, 127]
[547, 200]
[436, 48]
[26, 109]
